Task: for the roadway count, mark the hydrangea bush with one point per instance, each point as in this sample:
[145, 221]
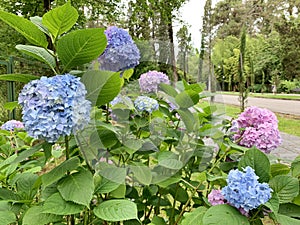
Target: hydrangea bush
[11, 125]
[152, 165]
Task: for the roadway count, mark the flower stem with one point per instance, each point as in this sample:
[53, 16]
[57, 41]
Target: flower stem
[67, 147]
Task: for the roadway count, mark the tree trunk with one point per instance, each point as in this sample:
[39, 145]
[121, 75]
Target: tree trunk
[173, 59]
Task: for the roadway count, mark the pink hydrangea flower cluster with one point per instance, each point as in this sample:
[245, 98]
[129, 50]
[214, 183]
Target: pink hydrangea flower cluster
[257, 127]
[149, 81]
[215, 197]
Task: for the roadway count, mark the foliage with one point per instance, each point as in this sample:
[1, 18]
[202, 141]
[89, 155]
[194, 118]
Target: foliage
[129, 165]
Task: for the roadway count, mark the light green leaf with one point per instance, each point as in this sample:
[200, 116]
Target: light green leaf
[285, 220]
[127, 74]
[37, 20]
[10, 105]
[194, 217]
[59, 171]
[295, 167]
[116, 210]
[77, 187]
[173, 164]
[257, 161]
[102, 86]
[142, 173]
[23, 78]
[225, 215]
[35, 216]
[29, 152]
[187, 98]
[7, 217]
[106, 186]
[81, 46]
[168, 89]
[60, 19]
[286, 187]
[273, 203]
[114, 174]
[188, 119]
[55, 204]
[25, 27]
[38, 53]
[25, 184]
[279, 169]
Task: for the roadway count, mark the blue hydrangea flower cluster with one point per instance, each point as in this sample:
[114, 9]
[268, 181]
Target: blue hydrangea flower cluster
[149, 81]
[243, 190]
[257, 127]
[11, 125]
[144, 103]
[120, 99]
[121, 52]
[54, 107]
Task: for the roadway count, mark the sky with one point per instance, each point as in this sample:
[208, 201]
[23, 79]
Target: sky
[192, 12]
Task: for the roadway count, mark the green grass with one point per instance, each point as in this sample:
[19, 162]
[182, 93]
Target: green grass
[267, 95]
[286, 123]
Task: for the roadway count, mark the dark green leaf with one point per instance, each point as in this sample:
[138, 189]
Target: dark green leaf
[290, 209]
[257, 161]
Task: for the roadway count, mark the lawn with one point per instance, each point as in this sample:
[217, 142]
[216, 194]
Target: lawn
[286, 123]
[268, 95]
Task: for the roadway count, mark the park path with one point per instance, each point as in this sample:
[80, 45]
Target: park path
[290, 147]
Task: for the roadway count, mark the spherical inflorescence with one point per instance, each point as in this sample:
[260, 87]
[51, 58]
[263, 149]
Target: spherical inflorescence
[215, 197]
[121, 52]
[144, 103]
[54, 107]
[149, 81]
[243, 190]
[257, 127]
[11, 125]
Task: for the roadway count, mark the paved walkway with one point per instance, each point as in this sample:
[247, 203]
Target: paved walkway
[290, 147]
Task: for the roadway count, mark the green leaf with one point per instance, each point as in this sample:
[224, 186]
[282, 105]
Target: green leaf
[225, 215]
[168, 89]
[27, 153]
[23, 78]
[116, 210]
[285, 220]
[194, 217]
[81, 46]
[25, 183]
[119, 192]
[10, 105]
[59, 171]
[188, 119]
[38, 53]
[102, 86]
[286, 187]
[35, 216]
[127, 74]
[173, 164]
[295, 167]
[142, 173]
[279, 169]
[290, 209]
[114, 174]
[37, 20]
[158, 221]
[77, 187]
[55, 204]
[257, 161]
[187, 98]
[25, 27]
[7, 217]
[273, 203]
[60, 19]
[106, 186]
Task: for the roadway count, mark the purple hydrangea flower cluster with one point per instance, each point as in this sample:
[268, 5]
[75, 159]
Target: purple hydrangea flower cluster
[215, 197]
[243, 190]
[144, 103]
[257, 127]
[54, 107]
[121, 52]
[149, 81]
[11, 125]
